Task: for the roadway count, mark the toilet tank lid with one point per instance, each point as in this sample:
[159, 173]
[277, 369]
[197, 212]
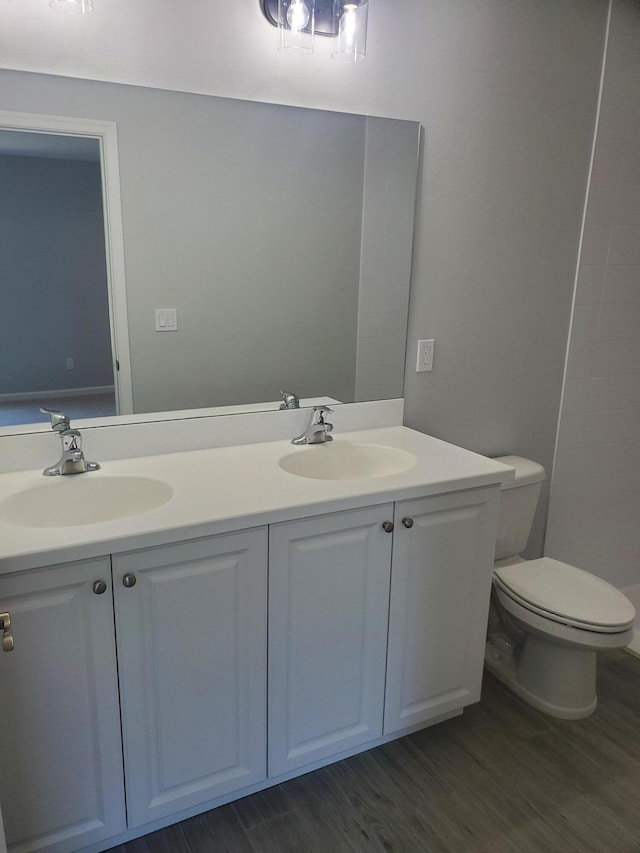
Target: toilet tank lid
[527, 471]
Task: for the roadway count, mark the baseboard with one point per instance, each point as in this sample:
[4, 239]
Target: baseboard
[92, 391]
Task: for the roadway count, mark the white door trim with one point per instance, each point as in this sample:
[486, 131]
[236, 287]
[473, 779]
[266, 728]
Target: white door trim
[3, 842]
[106, 133]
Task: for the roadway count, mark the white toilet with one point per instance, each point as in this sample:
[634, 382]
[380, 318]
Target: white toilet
[548, 619]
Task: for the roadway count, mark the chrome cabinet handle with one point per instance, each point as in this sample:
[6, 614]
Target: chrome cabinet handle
[387, 526]
[99, 587]
[129, 580]
[408, 522]
[8, 644]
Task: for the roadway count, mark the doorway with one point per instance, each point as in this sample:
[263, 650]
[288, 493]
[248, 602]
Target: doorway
[63, 335]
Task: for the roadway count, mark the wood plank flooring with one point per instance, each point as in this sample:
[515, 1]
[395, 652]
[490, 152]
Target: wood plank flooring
[503, 778]
[27, 410]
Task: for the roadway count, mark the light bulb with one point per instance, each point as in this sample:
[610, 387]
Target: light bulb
[351, 44]
[298, 15]
[348, 24]
[296, 25]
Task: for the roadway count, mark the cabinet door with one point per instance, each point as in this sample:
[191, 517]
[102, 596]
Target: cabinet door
[61, 784]
[328, 609]
[440, 586]
[191, 627]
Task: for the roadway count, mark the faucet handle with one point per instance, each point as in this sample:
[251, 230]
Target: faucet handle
[59, 421]
[320, 411]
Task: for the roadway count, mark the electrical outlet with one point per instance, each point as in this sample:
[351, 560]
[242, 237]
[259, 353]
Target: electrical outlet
[70, 365]
[425, 356]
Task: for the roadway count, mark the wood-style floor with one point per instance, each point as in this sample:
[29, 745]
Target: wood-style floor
[27, 410]
[503, 778]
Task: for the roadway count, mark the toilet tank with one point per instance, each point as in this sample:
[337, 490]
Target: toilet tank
[518, 502]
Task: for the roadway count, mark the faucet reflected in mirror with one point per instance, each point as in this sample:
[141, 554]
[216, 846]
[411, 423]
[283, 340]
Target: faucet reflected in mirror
[201, 237]
[289, 400]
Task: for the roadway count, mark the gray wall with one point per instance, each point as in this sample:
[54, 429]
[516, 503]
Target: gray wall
[594, 518]
[261, 261]
[53, 287]
[390, 165]
[508, 141]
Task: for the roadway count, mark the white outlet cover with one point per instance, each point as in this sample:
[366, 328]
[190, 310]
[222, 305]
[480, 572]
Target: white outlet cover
[424, 358]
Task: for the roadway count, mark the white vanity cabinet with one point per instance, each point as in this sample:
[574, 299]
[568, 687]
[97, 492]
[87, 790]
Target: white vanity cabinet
[440, 585]
[352, 661]
[192, 648]
[375, 619]
[61, 783]
[328, 611]
[191, 629]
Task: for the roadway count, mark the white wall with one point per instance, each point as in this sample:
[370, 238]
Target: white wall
[594, 518]
[507, 94]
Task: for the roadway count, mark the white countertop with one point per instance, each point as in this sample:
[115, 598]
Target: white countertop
[231, 488]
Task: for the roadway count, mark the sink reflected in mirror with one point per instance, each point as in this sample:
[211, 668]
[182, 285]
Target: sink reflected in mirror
[343, 460]
[83, 499]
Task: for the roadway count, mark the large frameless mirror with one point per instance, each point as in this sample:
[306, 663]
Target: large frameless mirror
[265, 248]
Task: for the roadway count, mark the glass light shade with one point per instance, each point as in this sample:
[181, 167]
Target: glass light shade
[353, 16]
[296, 25]
[73, 7]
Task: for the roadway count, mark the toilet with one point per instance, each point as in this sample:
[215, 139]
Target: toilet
[548, 620]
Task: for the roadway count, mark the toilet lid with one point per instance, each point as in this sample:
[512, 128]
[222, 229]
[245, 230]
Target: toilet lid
[567, 594]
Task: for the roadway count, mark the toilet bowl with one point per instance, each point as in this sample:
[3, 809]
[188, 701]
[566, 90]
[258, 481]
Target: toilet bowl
[548, 619]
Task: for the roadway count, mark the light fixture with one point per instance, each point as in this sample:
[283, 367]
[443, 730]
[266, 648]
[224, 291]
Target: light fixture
[73, 7]
[352, 30]
[296, 25]
[299, 21]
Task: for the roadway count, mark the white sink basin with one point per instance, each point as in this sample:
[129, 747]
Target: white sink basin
[83, 499]
[341, 460]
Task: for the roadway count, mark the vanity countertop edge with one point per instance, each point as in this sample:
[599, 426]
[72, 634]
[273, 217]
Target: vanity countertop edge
[226, 489]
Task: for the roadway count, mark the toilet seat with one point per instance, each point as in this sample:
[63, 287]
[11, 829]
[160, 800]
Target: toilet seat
[566, 594]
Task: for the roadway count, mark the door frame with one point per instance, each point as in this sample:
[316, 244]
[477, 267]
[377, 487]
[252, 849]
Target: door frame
[3, 842]
[106, 134]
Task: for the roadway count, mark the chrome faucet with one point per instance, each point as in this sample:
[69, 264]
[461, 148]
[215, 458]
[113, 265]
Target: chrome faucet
[72, 460]
[289, 400]
[317, 430]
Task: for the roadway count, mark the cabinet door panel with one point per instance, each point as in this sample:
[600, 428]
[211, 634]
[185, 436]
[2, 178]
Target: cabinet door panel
[328, 596]
[440, 588]
[192, 657]
[61, 783]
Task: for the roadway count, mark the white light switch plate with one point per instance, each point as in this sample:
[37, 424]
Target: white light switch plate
[166, 320]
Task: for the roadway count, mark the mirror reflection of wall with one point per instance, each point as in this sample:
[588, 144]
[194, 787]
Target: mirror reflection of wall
[55, 347]
[281, 236]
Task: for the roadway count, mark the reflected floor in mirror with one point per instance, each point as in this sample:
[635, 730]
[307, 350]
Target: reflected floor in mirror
[27, 410]
[502, 778]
